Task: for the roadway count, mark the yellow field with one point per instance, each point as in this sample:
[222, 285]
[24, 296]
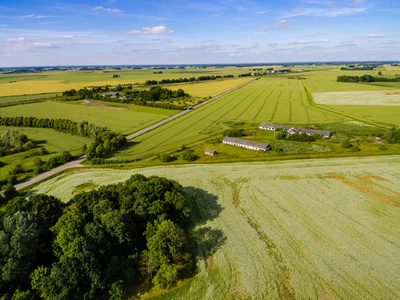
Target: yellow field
[210, 88]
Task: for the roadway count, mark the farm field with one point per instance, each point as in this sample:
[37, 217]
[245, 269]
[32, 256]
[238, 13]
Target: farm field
[24, 98]
[273, 100]
[386, 98]
[123, 121]
[52, 140]
[291, 229]
[210, 88]
[52, 82]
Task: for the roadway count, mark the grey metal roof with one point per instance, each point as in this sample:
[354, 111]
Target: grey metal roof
[246, 142]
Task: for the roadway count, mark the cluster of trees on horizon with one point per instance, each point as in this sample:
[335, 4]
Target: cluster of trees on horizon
[366, 78]
[96, 244]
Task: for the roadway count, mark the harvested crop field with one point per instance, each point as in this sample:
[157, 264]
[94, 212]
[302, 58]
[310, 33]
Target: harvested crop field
[308, 229]
[386, 98]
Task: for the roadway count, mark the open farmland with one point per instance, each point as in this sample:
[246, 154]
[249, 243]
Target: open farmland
[210, 88]
[295, 229]
[51, 82]
[123, 121]
[274, 100]
[386, 98]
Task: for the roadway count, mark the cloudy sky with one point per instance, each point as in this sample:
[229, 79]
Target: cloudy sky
[93, 32]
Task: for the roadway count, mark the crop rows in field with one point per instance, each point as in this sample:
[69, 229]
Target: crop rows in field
[266, 100]
[296, 229]
[387, 98]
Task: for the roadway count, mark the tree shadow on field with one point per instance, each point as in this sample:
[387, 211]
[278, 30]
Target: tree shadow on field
[37, 143]
[204, 208]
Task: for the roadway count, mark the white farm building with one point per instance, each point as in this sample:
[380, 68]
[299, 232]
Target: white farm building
[294, 130]
[246, 144]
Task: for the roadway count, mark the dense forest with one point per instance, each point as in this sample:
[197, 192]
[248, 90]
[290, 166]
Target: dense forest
[366, 78]
[97, 244]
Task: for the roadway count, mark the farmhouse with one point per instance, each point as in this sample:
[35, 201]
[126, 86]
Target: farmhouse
[295, 130]
[246, 144]
[111, 94]
[210, 152]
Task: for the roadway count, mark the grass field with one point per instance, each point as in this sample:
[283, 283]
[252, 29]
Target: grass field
[386, 98]
[313, 229]
[123, 121]
[52, 140]
[274, 100]
[24, 98]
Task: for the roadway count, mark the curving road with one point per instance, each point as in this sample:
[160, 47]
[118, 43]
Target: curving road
[76, 162]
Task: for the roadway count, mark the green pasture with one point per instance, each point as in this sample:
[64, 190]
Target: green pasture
[310, 229]
[24, 98]
[52, 140]
[123, 121]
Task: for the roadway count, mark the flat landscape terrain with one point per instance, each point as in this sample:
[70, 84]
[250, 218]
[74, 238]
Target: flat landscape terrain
[292, 229]
[125, 121]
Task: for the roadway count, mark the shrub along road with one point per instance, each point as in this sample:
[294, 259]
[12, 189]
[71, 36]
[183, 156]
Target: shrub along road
[76, 162]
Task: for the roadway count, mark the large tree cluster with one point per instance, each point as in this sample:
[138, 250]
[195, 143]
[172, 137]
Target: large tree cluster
[96, 244]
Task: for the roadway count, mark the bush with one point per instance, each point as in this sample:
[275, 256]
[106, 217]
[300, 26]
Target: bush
[383, 147]
[164, 157]
[189, 155]
[345, 143]
[355, 148]
[165, 276]
[280, 135]
[233, 132]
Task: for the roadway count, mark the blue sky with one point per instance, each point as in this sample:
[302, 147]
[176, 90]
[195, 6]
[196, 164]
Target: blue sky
[42, 33]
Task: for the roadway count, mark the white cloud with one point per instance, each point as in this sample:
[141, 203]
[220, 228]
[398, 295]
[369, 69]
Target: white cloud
[282, 24]
[374, 35]
[151, 30]
[101, 8]
[21, 39]
[327, 12]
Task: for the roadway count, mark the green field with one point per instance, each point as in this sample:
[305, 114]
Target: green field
[312, 229]
[52, 140]
[274, 100]
[24, 98]
[123, 121]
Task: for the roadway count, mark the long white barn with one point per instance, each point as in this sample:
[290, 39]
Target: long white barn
[246, 144]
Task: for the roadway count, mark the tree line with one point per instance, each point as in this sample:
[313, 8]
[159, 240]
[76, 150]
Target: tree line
[104, 139]
[12, 141]
[96, 244]
[191, 79]
[366, 78]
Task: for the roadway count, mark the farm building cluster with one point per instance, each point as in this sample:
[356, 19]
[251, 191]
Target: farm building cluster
[295, 130]
[246, 144]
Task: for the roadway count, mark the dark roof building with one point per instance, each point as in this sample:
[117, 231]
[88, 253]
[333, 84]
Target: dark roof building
[246, 144]
[295, 130]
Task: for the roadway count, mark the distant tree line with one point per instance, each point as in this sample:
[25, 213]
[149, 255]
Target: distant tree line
[366, 78]
[191, 79]
[104, 139]
[97, 244]
[363, 68]
[154, 97]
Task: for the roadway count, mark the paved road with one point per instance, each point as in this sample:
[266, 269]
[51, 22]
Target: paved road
[76, 162]
[71, 164]
[183, 112]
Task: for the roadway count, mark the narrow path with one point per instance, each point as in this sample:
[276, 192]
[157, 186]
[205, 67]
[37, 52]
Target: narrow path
[76, 162]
